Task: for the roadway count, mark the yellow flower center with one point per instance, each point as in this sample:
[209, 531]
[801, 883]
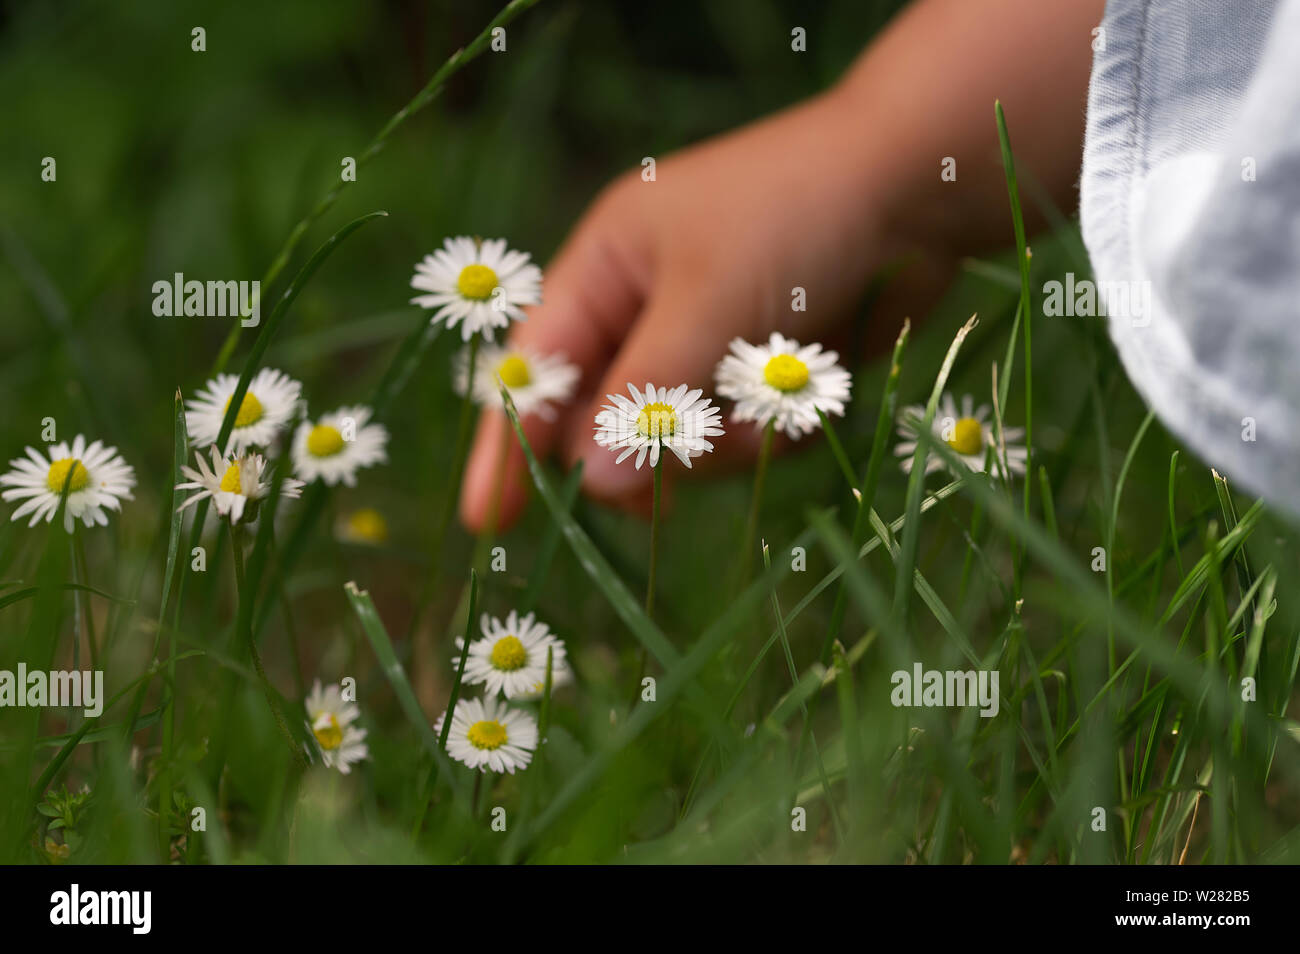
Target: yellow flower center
[368, 524]
[514, 372]
[488, 734]
[59, 474]
[250, 410]
[330, 735]
[476, 282]
[230, 480]
[785, 372]
[324, 441]
[967, 437]
[657, 420]
[509, 654]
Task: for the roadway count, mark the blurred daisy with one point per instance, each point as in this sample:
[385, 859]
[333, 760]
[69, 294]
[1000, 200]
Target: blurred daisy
[243, 483]
[782, 382]
[969, 433]
[677, 420]
[338, 445]
[366, 525]
[330, 720]
[488, 734]
[96, 476]
[511, 656]
[533, 380]
[268, 405]
[561, 675]
[479, 284]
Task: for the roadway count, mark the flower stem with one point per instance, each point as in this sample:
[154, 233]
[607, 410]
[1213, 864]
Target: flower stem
[654, 539]
[83, 570]
[236, 548]
[452, 497]
[463, 429]
[426, 793]
[79, 611]
[241, 591]
[756, 502]
[650, 580]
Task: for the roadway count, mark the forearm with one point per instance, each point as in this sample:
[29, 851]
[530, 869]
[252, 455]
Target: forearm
[924, 92]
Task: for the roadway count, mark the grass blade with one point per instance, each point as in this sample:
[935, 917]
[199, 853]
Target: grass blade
[377, 634]
[916, 480]
[1026, 308]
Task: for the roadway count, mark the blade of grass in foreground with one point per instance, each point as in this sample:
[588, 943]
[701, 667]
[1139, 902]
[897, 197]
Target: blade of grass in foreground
[1199, 573]
[180, 454]
[37, 648]
[916, 481]
[1174, 541]
[1026, 310]
[595, 564]
[28, 592]
[871, 598]
[376, 632]
[248, 598]
[676, 680]
[803, 708]
[835, 573]
[1245, 578]
[263, 340]
[867, 493]
[1081, 587]
[1113, 524]
[56, 763]
[464, 656]
[426, 792]
[607, 581]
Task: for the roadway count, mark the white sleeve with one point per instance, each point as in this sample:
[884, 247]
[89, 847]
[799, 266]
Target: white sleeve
[1191, 194]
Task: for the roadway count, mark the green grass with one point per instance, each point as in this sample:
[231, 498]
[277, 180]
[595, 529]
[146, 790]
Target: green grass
[1121, 687]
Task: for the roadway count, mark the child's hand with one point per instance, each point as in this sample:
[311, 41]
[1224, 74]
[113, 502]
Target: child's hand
[659, 276]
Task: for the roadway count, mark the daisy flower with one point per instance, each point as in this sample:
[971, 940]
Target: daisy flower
[480, 284]
[338, 445]
[783, 383]
[561, 675]
[533, 380]
[488, 734]
[366, 526]
[677, 420]
[268, 405]
[243, 483]
[511, 656]
[968, 433]
[330, 720]
[97, 478]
